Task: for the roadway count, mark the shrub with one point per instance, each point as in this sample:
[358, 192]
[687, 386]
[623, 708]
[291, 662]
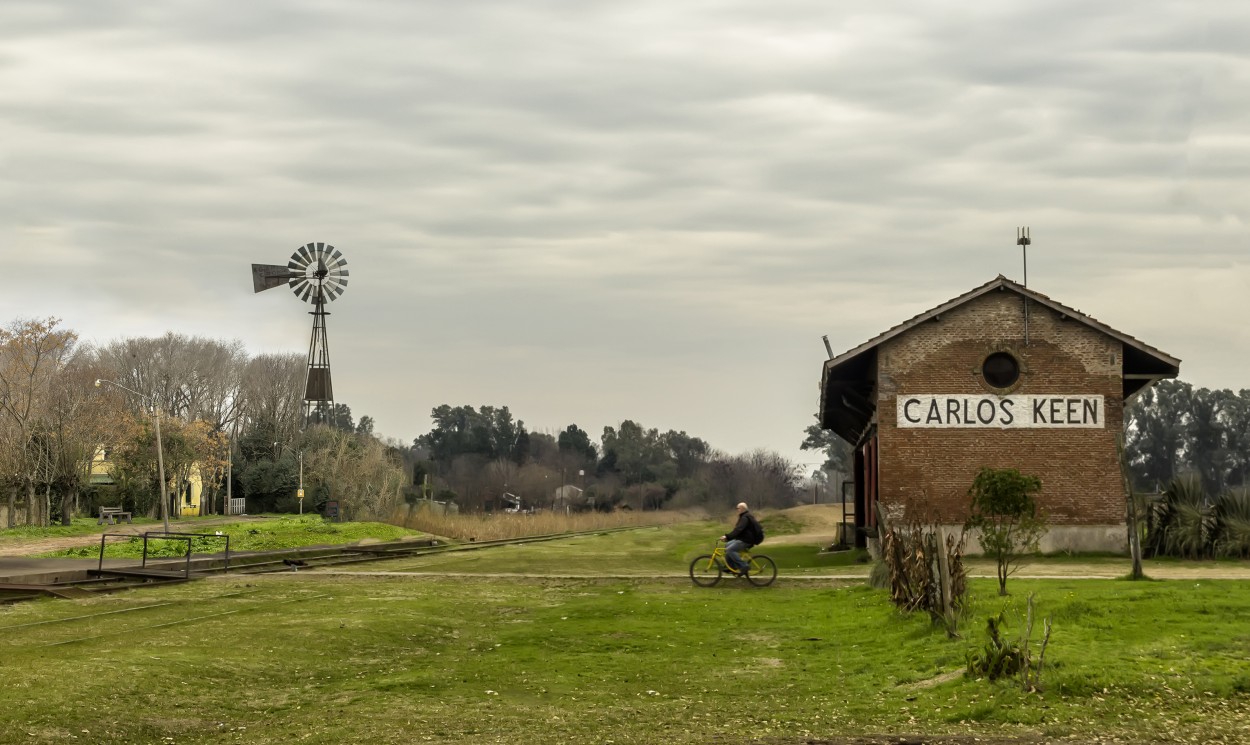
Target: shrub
[1232, 512]
[1183, 521]
[1003, 658]
[1000, 657]
[923, 571]
[1006, 516]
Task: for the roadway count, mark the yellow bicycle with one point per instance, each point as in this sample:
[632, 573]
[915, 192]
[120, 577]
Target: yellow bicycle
[707, 569]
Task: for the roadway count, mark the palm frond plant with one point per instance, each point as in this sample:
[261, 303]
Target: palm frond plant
[1189, 518]
[1232, 512]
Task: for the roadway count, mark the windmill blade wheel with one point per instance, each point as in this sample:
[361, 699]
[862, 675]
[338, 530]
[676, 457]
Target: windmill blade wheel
[317, 272]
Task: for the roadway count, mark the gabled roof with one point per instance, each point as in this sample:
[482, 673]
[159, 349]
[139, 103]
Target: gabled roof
[848, 381]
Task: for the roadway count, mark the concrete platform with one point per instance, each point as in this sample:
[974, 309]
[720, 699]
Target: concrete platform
[21, 570]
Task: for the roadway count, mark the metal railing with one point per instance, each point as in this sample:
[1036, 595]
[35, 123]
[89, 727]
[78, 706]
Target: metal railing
[161, 535]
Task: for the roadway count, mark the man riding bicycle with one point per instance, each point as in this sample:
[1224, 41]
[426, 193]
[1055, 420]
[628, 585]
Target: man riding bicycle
[746, 534]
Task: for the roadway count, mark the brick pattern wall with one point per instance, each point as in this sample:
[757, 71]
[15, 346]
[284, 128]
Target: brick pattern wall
[928, 471]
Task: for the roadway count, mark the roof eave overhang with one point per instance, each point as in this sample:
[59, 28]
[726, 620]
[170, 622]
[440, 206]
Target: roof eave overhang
[847, 400]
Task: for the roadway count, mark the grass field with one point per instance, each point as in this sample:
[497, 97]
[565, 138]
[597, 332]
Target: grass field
[401, 656]
[254, 535]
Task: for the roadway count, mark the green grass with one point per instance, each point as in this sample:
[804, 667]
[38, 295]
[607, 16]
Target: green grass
[324, 657]
[648, 551]
[79, 526]
[253, 535]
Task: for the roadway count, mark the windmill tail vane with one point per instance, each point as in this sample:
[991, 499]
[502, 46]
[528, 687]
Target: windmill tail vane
[316, 273]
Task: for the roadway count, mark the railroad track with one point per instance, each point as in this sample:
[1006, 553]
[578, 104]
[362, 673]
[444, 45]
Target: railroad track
[123, 578]
[402, 549]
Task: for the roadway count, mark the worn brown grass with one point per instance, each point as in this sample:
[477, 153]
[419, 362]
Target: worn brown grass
[500, 526]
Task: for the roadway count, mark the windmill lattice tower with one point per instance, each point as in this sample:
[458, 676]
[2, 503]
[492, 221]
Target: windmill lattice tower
[317, 274]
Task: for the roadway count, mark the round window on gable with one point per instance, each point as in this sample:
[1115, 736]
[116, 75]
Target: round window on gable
[1001, 370]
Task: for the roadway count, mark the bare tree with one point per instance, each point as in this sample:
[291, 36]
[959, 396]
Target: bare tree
[79, 422]
[32, 352]
[188, 377]
[272, 395]
[355, 469]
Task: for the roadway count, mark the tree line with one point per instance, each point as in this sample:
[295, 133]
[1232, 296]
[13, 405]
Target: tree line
[234, 422]
[1188, 454]
[223, 414]
[484, 458]
[1173, 429]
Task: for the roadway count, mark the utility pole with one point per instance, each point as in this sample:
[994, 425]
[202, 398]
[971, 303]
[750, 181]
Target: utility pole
[160, 450]
[229, 468]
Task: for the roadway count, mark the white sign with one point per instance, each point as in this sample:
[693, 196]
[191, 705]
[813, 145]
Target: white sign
[1001, 412]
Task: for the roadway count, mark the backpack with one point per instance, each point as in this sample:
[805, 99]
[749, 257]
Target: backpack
[759, 531]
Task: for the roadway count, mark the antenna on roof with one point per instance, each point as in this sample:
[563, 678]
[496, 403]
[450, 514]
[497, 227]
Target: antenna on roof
[828, 349]
[1023, 240]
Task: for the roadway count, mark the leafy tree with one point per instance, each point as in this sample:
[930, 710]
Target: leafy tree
[488, 431]
[575, 441]
[194, 447]
[1237, 438]
[132, 458]
[1173, 428]
[338, 416]
[635, 453]
[1005, 514]
[267, 482]
[1206, 434]
[1155, 433]
[688, 453]
[838, 452]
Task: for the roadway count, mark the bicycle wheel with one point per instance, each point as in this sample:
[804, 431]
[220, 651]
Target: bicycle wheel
[763, 571]
[704, 572]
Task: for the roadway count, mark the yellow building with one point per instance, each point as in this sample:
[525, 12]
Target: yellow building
[188, 503]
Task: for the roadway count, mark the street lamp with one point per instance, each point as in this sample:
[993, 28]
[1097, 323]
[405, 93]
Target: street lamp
[160, 451]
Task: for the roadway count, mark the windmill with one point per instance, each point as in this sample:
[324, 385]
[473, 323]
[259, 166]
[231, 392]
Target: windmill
[317, 274]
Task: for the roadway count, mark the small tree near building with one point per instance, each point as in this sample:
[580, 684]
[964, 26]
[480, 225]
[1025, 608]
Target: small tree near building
[1005, 514]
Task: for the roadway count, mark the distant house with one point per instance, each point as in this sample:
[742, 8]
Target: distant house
[188, 502]
[101, 468]
[1001, 376]
[569, 498]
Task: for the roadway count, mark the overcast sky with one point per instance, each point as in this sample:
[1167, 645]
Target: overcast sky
[592, 211]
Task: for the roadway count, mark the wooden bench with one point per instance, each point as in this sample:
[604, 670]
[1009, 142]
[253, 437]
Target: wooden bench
[113, 515]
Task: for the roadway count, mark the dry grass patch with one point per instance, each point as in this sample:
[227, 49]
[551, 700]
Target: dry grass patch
[501, 526]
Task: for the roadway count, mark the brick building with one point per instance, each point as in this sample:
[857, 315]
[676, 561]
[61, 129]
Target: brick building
[1000, 376]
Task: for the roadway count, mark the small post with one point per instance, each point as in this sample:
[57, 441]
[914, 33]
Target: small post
[301, 482]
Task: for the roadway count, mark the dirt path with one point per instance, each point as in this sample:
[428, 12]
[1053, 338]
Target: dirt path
[819, 523]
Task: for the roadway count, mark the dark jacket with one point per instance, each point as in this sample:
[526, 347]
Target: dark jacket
[747, 530]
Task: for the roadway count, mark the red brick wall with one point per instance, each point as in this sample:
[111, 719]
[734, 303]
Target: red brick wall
[928, 471]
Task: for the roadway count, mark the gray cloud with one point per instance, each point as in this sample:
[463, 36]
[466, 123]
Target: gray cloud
[593, 211]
